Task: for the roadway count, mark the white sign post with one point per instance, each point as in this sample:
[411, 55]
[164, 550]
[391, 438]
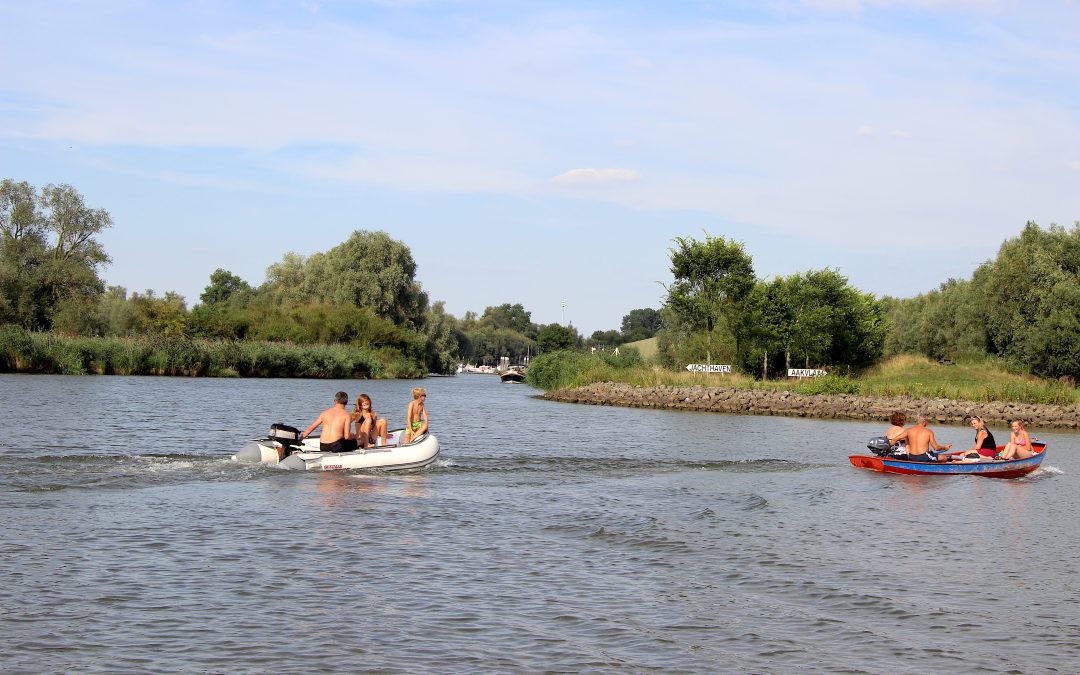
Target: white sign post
[708, 368]
[805, 372]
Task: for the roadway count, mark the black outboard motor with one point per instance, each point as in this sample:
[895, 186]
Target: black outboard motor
[289, 437]
[879, 445]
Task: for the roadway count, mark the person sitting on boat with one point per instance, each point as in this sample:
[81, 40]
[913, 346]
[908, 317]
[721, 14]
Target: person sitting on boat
[370, 428]
[898, 447]
[337, 427]
[985, 445]
[1019, 445]
[416, 420]
[920, 439]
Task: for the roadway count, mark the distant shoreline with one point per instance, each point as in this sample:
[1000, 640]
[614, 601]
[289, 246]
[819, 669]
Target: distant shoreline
[825, 406]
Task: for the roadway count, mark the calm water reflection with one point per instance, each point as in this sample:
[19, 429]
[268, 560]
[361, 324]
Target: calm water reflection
[548, 537]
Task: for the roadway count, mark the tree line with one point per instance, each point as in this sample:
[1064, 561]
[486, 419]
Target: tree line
[1023, 307]
[718, 311]
[362, 292]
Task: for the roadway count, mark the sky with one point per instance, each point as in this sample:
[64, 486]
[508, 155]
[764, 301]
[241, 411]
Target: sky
[549, 153]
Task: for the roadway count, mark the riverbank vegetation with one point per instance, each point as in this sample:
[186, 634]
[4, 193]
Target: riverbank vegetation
[982, 379]
[36, 352]
[1011, 333]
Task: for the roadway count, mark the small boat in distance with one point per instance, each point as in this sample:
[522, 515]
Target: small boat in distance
[513, 374]
[476, 370]
[996, 468]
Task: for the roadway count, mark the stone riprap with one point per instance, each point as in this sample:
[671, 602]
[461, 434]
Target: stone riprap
[833, 406]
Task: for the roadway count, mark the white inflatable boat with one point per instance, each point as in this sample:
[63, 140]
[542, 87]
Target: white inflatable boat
[282, 447]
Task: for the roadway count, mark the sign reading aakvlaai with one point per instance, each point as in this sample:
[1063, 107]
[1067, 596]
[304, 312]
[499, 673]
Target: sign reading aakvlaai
[805, 372]
[707, 368]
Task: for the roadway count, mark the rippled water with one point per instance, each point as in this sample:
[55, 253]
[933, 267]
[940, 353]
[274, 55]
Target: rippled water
[548, 537]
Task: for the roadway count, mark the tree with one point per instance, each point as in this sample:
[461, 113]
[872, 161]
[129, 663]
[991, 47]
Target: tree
[49, 254]
[554, 337]
[510, 316]
[225, 285]
[442, 343]
[369, 270]
[770, 315]
[641, 324]
[285, 281]
[1026, 295]
[166, 315]
[22, 251]
[604, 338]
[712, 280]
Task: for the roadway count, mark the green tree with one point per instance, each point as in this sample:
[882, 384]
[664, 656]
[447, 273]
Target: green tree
[49, 254]
[285, 281]
[605, 338]
[771, 317]
[1026, 294]
[440, 331]
[369, 270]
[641, 324]
[712, 281]
[166, 315]
[554, 337]
[22, 252]
[225, 286]
[510, 316]
[71, 267]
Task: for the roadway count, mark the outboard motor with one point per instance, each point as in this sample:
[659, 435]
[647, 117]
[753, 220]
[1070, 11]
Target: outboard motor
[288, 437]
[879, 445]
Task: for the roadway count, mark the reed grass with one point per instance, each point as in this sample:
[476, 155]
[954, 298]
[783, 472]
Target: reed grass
[33, 352]
[982, 379]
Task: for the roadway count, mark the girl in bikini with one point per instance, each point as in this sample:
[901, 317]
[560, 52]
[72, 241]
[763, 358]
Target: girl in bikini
[1019, 446]
[370, 428]
[416, 421]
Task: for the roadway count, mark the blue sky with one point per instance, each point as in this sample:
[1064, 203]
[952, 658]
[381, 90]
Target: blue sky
[541, 152]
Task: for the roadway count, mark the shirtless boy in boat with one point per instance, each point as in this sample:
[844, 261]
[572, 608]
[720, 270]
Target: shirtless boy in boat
[337, 427]
[919, 440]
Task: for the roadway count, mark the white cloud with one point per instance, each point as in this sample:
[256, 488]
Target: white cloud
[595, 176]
[1075, 165]
[865, 131]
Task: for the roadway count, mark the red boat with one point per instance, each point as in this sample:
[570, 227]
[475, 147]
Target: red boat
[1009, 468]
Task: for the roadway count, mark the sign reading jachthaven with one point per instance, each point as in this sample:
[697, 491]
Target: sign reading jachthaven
[707, 368]
[805, 372]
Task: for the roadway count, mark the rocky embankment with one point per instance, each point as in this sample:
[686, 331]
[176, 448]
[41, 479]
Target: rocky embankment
[834, 406]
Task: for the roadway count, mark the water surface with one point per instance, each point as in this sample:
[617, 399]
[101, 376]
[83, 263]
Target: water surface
[547, 537]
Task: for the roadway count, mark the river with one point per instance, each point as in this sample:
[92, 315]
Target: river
[548, 537]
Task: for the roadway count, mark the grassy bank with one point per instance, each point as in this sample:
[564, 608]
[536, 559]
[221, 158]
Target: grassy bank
[911, 376]
[24, 351]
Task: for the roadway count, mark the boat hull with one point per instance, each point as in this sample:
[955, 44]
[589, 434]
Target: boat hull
[390, 457]
[993, 469]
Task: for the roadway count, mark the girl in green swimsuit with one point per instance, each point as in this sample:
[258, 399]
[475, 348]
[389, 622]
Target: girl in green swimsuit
[416, 417]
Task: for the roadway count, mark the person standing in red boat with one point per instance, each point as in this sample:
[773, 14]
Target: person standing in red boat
[919, 440]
